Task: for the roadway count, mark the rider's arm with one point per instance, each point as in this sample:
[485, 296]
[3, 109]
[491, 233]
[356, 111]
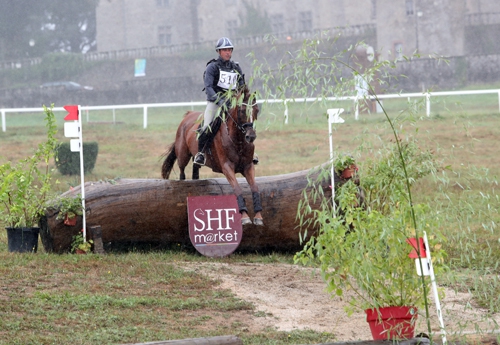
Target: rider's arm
[241, 78]
[210, 75]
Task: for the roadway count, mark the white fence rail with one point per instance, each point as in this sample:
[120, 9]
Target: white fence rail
[145, 107]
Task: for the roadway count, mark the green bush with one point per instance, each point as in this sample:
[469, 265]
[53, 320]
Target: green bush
[68, 163]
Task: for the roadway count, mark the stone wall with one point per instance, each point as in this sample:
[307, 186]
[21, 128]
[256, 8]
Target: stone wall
[167, 82]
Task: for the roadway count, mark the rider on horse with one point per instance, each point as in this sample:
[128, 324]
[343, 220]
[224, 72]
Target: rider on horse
[221, 75]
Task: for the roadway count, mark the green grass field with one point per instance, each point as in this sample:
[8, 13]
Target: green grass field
[119, 298]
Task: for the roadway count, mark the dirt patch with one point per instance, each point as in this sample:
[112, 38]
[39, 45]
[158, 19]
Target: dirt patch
[290, 297]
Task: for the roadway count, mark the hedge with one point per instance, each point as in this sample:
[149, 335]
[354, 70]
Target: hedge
[68, 163]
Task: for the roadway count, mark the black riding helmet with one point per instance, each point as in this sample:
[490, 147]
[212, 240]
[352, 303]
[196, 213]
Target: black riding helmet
[223, 43]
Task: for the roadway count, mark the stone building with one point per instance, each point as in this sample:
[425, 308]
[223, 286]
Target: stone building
[428, 27]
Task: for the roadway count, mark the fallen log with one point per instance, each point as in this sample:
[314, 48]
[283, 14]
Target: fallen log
[155, 211]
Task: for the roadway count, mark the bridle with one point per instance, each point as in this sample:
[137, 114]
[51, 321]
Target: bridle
[242, 109]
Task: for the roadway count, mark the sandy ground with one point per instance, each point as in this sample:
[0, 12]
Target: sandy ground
[290, 297]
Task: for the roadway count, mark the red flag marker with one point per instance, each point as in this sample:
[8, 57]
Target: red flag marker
[413, 243]
[72, 112]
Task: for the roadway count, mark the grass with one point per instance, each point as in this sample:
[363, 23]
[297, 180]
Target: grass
[147, 296]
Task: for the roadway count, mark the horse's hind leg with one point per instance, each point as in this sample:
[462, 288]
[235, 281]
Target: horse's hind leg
[183, 160]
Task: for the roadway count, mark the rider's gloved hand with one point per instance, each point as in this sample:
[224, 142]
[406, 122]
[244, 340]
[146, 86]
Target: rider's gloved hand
[221, 101]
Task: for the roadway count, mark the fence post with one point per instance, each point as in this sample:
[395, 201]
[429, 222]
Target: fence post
[286, 113]
[499, 100]
[4, 127]
[428, 104]
[145, 117]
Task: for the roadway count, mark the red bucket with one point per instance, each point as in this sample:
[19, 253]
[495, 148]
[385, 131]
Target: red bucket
[392, 322]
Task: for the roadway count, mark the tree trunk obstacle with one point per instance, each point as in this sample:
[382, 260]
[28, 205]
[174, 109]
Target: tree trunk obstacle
[155, 211]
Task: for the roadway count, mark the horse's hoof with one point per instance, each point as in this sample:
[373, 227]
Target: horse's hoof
[246, 221]
[258, 221]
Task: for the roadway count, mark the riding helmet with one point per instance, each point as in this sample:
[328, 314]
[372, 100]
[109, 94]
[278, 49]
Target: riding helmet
[223, 43]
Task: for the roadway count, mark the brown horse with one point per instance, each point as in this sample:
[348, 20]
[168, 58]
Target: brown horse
[230, 152]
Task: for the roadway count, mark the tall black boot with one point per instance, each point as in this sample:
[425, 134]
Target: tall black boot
[200, 157]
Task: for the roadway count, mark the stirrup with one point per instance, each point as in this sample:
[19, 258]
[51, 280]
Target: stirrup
[199, 159]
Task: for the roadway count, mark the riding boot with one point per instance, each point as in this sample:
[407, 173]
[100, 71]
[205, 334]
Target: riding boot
[200, 157]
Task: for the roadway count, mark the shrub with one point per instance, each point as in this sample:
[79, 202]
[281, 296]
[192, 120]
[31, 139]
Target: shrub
[68, 163]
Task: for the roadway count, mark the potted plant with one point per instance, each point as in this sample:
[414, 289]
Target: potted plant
[81, 245]
[24, 190]
[69, 209]
[363, 251]
[345, 166]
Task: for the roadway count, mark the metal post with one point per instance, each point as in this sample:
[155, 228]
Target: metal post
[145, 117]
[114, 116]
[82, 172]
[333, 117]
[435, 290]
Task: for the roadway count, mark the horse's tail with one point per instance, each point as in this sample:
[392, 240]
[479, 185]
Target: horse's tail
[169, 161]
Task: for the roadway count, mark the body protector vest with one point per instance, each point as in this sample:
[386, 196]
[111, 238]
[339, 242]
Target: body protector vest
[221, 76]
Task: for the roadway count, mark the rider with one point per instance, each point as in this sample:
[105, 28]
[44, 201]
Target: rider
[221, 75]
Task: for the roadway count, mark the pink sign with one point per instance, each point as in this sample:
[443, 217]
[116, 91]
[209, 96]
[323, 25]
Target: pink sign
[214, 224]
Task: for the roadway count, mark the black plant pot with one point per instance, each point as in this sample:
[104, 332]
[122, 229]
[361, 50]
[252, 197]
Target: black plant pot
[23, 240]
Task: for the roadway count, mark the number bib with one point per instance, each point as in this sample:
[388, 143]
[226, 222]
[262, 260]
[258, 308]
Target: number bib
[227, 80]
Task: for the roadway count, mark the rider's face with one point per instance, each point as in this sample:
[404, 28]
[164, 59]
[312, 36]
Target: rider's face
[226, 53]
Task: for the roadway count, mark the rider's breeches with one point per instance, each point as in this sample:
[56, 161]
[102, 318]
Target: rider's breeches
[209, 115]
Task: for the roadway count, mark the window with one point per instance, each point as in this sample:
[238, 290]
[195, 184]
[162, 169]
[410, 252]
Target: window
[232, 28]
[163, 3]
[164, 35]
[277, 23]
[409, 7]
[305, 21]
[374, 9]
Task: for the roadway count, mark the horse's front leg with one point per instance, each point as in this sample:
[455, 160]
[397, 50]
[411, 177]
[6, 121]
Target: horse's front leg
[257, 204]
[231, 178]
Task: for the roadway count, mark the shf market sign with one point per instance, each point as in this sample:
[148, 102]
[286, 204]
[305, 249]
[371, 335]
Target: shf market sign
[214, 224]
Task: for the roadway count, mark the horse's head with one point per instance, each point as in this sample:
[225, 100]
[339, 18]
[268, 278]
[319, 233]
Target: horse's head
[245, 119]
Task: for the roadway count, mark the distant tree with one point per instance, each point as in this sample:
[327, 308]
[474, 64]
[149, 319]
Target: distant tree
[71, 25]
[254, 22]
[19, 25]
[31, 28]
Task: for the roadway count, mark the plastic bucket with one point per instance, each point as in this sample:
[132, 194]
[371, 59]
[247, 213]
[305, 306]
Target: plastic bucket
[23, 240]
[392, 322]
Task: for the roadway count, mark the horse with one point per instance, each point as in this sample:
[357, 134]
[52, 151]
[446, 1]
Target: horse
[230, 152]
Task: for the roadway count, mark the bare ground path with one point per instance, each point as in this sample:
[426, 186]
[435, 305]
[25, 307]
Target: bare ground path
[290, 297]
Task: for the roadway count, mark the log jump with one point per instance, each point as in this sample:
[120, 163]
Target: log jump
[155, 211]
